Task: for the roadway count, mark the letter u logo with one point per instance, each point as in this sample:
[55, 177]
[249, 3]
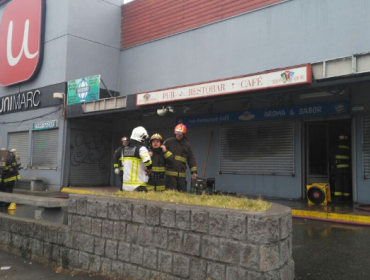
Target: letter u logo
[21, 40]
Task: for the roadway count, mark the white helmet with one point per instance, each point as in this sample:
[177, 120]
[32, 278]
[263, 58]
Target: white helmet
[139, 134]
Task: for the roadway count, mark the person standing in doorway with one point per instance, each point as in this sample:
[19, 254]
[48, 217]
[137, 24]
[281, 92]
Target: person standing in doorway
[176, 172]
[340, 156]
[118, 159]
[137, 163]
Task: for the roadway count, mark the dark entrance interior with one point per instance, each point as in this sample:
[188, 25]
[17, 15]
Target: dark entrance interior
[321, 136]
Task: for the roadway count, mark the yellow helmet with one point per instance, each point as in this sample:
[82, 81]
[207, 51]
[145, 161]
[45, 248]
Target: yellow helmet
[12, 206]
[156, 136]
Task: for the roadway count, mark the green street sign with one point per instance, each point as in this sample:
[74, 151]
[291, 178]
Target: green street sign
[83, 90]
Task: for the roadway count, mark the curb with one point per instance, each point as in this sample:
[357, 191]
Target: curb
[74, 191]
[332, 217]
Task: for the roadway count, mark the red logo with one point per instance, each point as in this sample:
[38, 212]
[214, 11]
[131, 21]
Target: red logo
[21, 41]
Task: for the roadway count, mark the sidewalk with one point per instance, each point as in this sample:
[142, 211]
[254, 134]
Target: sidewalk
[348, 213]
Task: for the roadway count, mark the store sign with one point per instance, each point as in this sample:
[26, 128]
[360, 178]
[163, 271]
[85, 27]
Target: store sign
[21, 40]
[20, 101]
[278, 78]
[269, 114]
[45, 125]
[83, 90]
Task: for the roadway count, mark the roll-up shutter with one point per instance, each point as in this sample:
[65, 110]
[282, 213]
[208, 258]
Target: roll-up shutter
[90, 158]
[366, 127]
[262, 147]
[19, 141]
[45, 149]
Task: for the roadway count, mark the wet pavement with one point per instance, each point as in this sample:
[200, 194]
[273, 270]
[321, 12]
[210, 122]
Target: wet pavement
[330, 251]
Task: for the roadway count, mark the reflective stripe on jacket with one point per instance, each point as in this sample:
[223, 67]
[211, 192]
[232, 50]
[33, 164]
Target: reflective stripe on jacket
[160, 159]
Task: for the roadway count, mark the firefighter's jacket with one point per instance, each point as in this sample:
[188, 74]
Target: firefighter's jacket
[136, 160]
[160, 159]
[10, 172]
[341, 155]
[118, 158]
[183, 153]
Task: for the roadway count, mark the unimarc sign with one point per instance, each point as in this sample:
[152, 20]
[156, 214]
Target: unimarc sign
[20, 102]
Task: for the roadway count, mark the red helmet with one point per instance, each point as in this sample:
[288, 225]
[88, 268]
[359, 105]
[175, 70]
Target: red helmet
[180, 129]
[124, 139]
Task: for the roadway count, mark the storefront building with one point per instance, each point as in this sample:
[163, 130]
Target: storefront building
[267, 86]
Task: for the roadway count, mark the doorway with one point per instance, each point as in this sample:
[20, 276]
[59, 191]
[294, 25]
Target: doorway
[320, 137]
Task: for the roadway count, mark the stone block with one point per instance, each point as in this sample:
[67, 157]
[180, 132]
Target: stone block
[119, 230]
[95, 264]
[218, 225]
[284, 251]
[89, 244]
[82, 206]
[270, 257]
[152, 215]
[130, 271]
[111, 248]
[263, 230]
[5, 237]
[183, 219]
[164, 261]
[285, 226]
[137, 254]
[64, 255]
[199, 221]
[74, 261]
[250, 256]
[102, 209]
[107, 229]
[78, 241]
[114, 211]
[175, 240]
[124, 251]
[150, 259]
[229, 251]
[236, 227]
[37, 247]
[143, 274]
[86, 225]
[132, 233]
[181, 266]
[198, 269]
[72, 205]
[139, 213]
[106, 266]
[145, 235]
[96, 227]
[62, 237]
[76, 223]
[84, 259]
[216, 271]
[210, 247]
[92, 208]
[168, 218]
[99, 245]
[236, 273]
[160, 237]
[192, 244]
[117, 268]
[126, 212]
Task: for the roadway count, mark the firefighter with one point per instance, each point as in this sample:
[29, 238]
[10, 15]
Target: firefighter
[118, 159]
[340, 156]
[180, 147]
[137, 164]
[160, 157]
[9, 174]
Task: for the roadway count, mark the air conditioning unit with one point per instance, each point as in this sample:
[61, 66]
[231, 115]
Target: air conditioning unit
[318, 193]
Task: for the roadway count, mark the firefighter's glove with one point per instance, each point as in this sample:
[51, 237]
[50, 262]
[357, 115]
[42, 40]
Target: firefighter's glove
[194, 176]
[148, 172]
[116, 171]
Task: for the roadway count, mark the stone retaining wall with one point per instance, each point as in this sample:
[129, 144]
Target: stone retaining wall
[134, 239]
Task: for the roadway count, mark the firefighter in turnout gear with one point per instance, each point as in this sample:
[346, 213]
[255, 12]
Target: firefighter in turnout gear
[118, 159]
[160, 157]
[9, 171]
[340, 156]
[176, 172]
[137, 164]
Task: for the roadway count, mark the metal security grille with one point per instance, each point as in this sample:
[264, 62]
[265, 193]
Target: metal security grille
[45, 149]
[90, 158]
[366, 141]
[262, 147]
[19, 141]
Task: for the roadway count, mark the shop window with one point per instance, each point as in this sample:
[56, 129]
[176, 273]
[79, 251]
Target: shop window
[45, 149]
[261, 147]
[19, 141]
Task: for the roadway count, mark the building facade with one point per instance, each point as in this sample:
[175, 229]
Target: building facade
[266, 86]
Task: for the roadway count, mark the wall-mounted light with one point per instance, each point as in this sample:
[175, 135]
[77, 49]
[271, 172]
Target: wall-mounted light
[61, 95]
[314, 94]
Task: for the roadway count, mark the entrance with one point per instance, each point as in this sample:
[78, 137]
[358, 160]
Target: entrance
[320, 137]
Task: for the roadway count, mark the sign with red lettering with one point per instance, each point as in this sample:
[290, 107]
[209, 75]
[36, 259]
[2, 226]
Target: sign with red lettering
[273, 79]
[21, 41]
